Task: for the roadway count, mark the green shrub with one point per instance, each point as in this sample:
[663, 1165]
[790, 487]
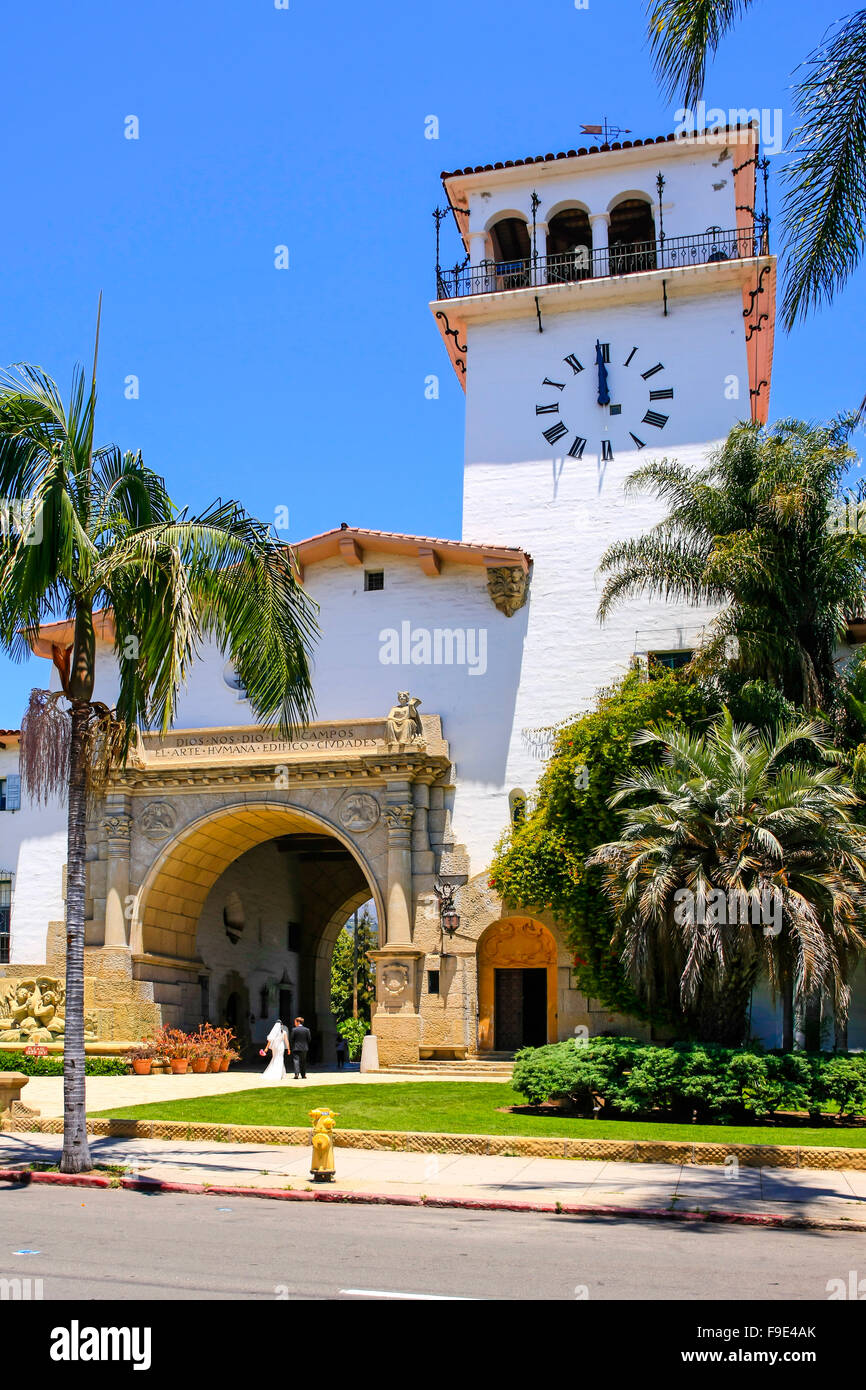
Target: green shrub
[354, 1030]
[713, 1083]
[842, 1081]
[53, 1065]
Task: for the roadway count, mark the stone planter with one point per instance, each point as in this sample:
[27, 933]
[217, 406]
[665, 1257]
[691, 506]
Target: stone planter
[11, 1083]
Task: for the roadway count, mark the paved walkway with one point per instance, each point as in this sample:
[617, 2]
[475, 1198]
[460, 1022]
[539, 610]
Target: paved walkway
[769, 1191]
[45, 1093]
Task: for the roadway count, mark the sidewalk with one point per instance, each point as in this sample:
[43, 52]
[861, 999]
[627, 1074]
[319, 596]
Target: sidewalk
[768, 1192]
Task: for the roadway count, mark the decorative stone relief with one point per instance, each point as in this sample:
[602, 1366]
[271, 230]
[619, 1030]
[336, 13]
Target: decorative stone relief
[157, 820]
[359, 812]
[395, 978]
[399, 817]
[32, 1011]
[508, 586]
[117, 827]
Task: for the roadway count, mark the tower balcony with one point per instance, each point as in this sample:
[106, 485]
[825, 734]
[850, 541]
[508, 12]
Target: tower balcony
[579, 264]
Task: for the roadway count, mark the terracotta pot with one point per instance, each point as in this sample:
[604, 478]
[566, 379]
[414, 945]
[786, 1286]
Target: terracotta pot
[224, 1063]
[200, 1064]
[180, 1065]
[214, 1063]
[141, 1066]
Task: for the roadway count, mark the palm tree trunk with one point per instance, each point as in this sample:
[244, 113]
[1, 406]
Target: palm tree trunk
[76, 1150]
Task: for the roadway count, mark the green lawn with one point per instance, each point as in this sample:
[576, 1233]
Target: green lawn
[455, 1107]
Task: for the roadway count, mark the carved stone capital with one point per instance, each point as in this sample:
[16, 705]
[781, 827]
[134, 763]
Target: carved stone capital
[118, 827]
[508, 586]
[399, 817]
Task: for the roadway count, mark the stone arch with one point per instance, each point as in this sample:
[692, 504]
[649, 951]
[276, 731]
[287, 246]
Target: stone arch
[170, 899]
[514, 943]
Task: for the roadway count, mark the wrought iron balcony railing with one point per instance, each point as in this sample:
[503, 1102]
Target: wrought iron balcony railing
[702, 248]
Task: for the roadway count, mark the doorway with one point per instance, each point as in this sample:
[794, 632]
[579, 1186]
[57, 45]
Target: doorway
[286, 1012]
[520, 1009]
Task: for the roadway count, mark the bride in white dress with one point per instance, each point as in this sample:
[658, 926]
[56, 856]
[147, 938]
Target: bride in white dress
[276, 1044]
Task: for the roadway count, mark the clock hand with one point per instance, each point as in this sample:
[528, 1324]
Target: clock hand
[603, 393]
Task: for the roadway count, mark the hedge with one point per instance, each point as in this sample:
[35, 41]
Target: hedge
[53, 1066]
[690, 1080]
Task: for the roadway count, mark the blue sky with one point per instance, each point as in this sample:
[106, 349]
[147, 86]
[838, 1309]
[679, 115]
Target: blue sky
[305, 127]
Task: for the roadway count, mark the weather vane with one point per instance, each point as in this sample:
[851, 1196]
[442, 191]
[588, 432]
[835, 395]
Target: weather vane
[610, 132]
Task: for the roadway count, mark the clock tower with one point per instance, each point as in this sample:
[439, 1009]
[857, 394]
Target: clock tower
[615, 304]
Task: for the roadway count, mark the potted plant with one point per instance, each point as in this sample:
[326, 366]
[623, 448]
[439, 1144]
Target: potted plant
[174, 1047]
[141, 1057]
[199, 1052]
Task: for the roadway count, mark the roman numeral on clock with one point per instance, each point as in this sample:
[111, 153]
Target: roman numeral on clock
[573, 363]
[547, 409]
[666, 395]
[659, 367]
[653, 417]
[555, 432]
[577, 448]
[630, 356]
[560, 385]
[606, 451]
[639, 442]
[605, 351]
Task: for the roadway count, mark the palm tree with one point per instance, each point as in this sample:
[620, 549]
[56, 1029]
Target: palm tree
[751, 531]
[104, 535]
[735, 853]
[824, 210]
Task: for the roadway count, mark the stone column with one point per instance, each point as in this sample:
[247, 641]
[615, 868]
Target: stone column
[600, 223]
[422, 855]
[117, 824]
[399, 813]
[478, 244]
[539, 276]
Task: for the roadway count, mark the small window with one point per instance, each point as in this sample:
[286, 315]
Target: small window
[293, 936]
[374, 579]
[10, 793]
[672, 660]
[5, 916]
[517, 806]
[432, 981]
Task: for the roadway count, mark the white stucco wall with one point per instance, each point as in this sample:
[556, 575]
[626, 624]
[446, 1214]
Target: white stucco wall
[33, 848]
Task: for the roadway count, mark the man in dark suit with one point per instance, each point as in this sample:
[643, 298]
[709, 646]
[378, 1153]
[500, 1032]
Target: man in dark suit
[300, 1040]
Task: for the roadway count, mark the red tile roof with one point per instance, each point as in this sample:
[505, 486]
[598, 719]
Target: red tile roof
[584, 150]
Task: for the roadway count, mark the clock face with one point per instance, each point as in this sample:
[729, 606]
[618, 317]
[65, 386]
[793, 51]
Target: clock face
[605, 398]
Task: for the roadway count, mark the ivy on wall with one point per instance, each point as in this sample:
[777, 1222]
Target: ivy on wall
[540, 863]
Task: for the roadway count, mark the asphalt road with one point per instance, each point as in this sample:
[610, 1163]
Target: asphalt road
[113, 1244]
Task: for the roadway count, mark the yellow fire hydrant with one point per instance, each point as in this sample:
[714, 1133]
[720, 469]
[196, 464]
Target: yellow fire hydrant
[322, 1167]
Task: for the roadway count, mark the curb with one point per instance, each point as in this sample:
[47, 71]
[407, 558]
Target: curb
[815, 1157]
[156, 1186]
[24, 1177]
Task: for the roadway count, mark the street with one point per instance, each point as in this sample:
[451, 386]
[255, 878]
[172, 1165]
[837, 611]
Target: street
[112, 1244]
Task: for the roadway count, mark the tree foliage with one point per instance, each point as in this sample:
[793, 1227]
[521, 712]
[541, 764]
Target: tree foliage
[751, 532]
[541, 864]
[342, 964]
[732, 815]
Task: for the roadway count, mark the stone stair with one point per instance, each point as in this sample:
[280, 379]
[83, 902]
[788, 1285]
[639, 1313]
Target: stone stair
[499, 1066]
